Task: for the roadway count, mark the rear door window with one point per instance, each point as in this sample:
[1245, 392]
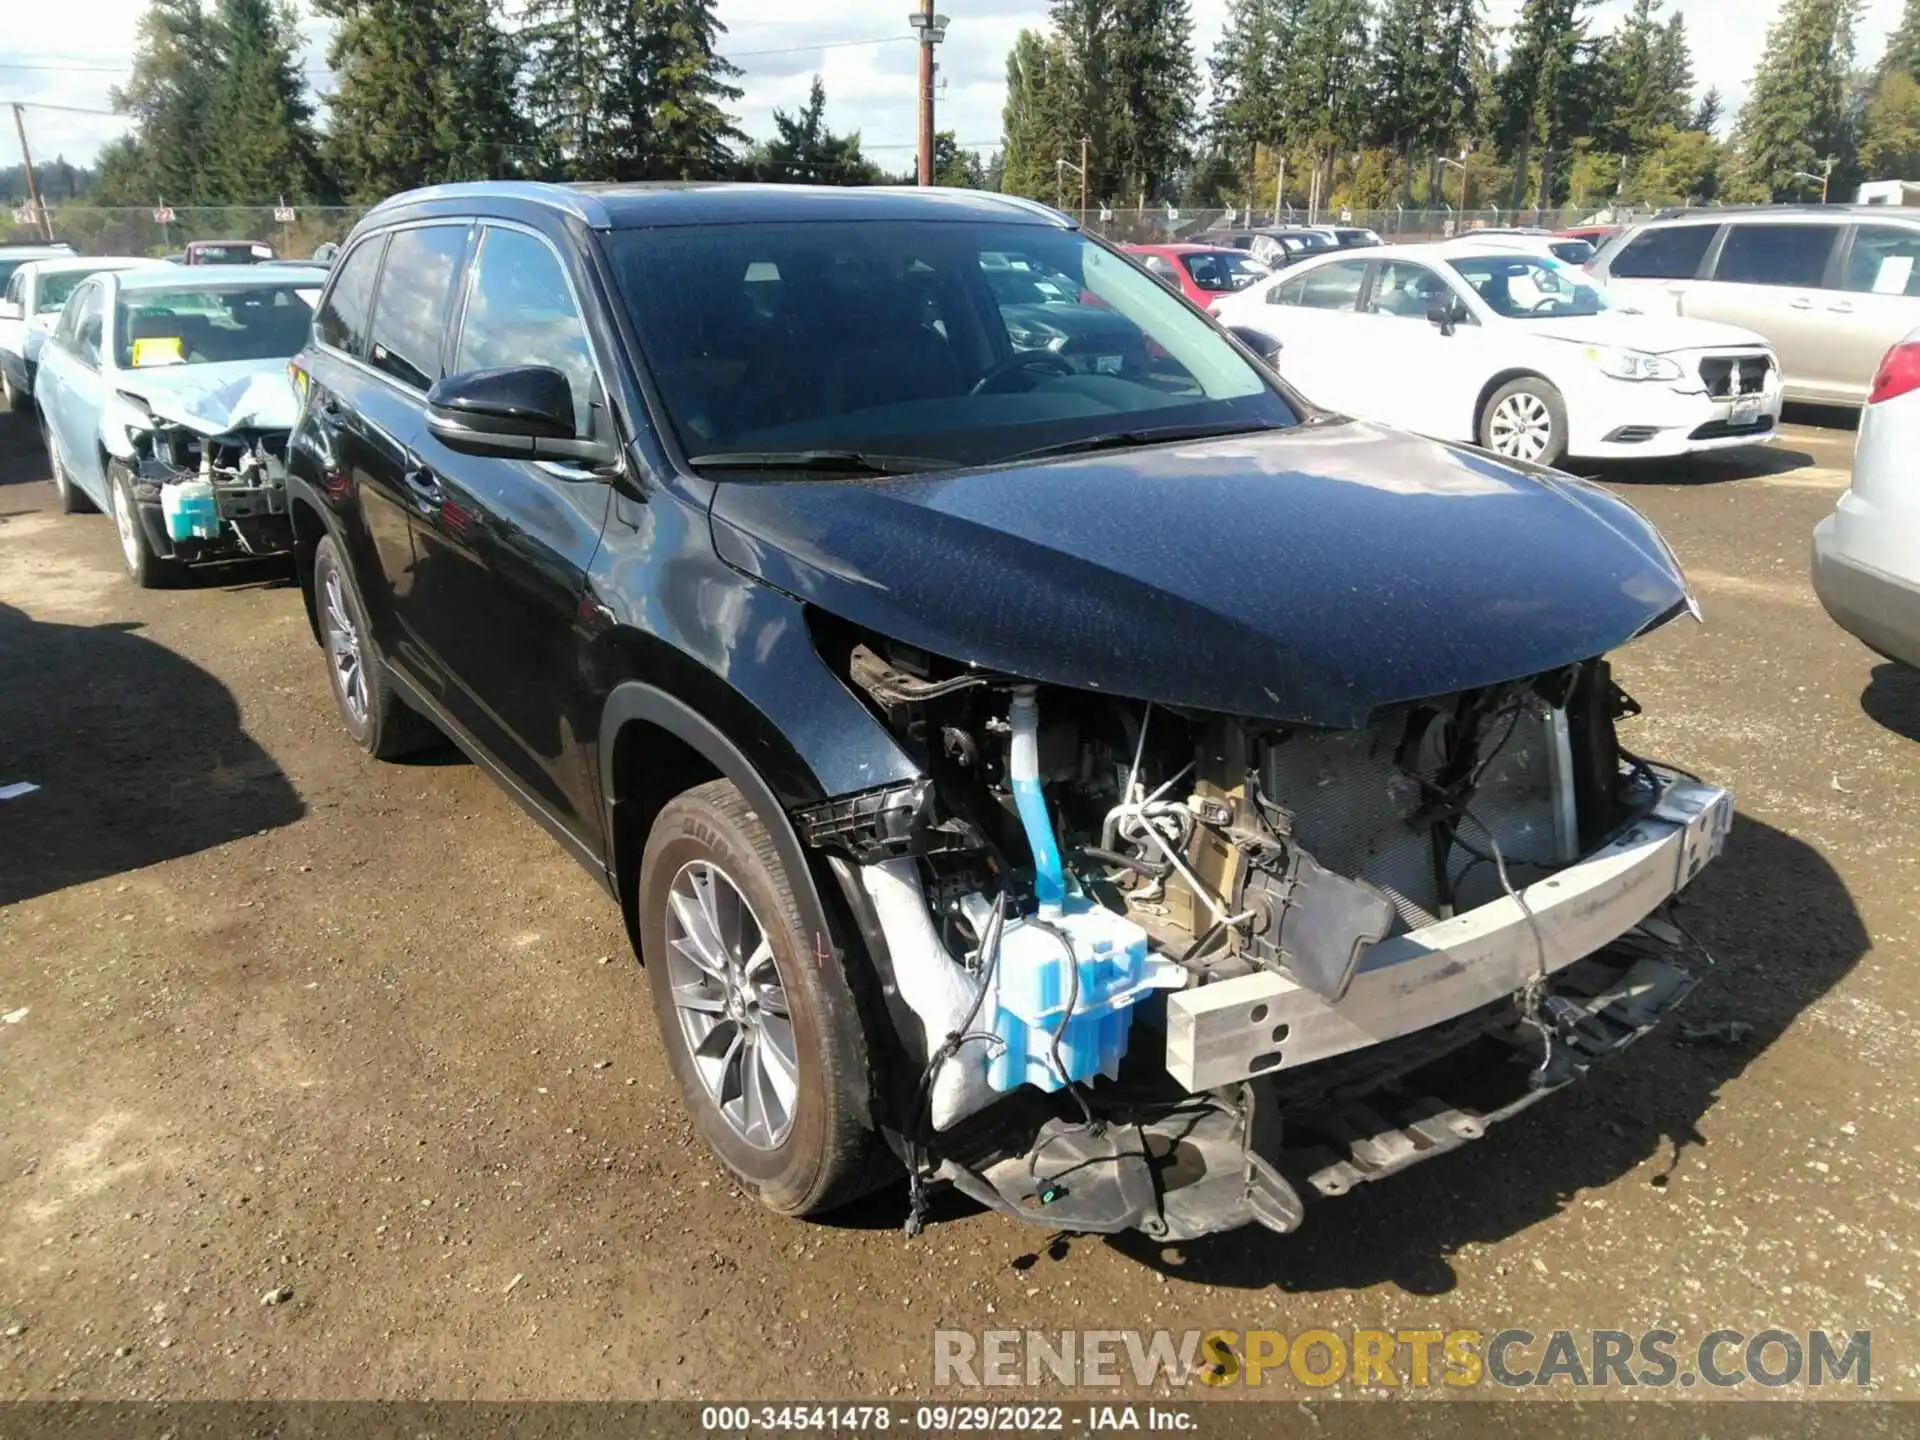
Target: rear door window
[1673, 253]
[410, 310]
[1762, 254]
[342, 322]
[1885, 260]
[1326, 287]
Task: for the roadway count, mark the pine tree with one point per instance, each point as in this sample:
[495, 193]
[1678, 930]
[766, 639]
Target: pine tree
[1547, 92]
[1324, 78]
[1036, 131]
[1151, 63]
[1903, 46]
[171, 97]
[693, 136]
[1709, 112]
[955, 167]
[803, 151]
[568, 73]
[1795, 118]
[1673, 70]
[426, 92]
[261, 141]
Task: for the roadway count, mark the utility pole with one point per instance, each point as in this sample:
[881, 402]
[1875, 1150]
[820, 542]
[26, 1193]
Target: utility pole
[40, 220]
[932, 30]
[1083, 180]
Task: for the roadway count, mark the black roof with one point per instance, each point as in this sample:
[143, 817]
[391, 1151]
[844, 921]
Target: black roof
[627, 206]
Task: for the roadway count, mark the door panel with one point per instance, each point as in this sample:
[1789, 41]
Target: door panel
[1770, 277]
[502, 546]
[1877, 305]
[81, 392]
[1312, 314]
[1407, 372]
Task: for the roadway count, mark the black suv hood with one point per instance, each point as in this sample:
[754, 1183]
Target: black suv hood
[1307, 575]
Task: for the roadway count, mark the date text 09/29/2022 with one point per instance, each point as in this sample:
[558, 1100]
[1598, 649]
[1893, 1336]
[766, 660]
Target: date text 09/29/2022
[945, 1419]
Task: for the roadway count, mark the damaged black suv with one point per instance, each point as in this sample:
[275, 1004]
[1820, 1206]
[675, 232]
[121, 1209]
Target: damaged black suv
[1031, 747]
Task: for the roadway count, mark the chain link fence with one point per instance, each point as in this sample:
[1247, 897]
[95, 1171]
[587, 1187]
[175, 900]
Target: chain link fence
[126, 230]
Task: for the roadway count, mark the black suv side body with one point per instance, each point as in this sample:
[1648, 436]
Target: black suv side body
[852, 626]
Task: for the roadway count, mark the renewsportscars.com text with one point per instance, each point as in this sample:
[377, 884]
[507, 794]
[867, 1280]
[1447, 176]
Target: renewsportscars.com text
[1417, 1358]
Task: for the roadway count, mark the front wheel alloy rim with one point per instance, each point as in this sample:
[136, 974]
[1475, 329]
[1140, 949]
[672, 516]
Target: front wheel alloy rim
[124, 522]
[343, 647]
[1522, 426]
[731, 1005]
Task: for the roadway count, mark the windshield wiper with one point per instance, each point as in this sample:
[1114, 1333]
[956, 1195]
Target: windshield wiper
[839, 462]
[1128, 439]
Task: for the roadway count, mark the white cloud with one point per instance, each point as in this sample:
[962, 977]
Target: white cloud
[870, 88]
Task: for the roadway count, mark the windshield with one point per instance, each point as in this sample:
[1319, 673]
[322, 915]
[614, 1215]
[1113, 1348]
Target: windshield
[203, 326]
[1224, 270]
[56, 286]
[1532, 287]
[954, 342]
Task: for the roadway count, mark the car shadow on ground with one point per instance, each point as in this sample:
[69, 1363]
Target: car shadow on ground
[1892, 698]
[1783, 930]
[139, 755]
[1715, 467]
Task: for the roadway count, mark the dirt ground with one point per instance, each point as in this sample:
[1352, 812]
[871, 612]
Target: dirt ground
[283, 1020]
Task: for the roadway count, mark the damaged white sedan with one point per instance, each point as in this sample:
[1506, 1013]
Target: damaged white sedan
[164, 400]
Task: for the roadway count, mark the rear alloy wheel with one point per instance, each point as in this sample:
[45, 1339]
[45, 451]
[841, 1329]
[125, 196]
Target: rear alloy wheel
[380, 722]
[1526, 420]
[763, 1033]
[146, 569]
[72, 500]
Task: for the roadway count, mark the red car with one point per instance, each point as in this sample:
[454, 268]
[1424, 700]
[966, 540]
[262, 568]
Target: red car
[1592, 234]
[1202, 273]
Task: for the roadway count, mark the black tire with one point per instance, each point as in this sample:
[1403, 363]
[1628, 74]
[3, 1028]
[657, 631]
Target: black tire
[830, 1153]
[380, 722]
[70, 497]
[1521, 415]
[145, 568]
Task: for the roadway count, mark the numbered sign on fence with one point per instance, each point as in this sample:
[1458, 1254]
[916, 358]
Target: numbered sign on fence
[25, 216]
[163, 215]
[283, 214]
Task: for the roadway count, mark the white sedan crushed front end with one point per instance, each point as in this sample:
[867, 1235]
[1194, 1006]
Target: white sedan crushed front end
[1639, 405]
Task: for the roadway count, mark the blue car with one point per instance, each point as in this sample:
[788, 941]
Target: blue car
[164, 400]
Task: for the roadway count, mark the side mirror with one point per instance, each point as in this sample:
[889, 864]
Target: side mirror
[1447, 316]
[520, 412]
[1258, 341]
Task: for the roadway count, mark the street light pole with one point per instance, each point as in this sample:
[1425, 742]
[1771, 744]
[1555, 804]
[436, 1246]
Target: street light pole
[1456, 164]
[932, 30]
[41, 223]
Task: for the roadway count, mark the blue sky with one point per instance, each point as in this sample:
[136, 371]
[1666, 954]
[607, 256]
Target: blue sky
[84, 46]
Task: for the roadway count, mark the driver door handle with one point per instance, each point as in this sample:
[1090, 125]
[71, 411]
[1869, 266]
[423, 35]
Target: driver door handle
[1801, 302]
[425, 490]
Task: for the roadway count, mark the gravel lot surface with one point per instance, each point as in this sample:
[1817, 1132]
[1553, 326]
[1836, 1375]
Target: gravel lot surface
[282, 1023]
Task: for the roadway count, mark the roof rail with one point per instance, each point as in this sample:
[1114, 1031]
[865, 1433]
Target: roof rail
[579, 204]
[1017, 202]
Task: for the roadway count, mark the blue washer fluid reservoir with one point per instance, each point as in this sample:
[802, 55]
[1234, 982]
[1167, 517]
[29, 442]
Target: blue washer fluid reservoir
[1034, 981]
[190, 511]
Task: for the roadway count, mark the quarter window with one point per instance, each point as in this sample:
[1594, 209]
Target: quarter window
[1673, 253]
[520, 312]
[1776, 255]
[410, 311]
[1885, 260]
[343, 318]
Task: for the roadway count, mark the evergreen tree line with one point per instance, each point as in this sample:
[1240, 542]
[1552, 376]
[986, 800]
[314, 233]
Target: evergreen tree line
[1377, 103]
[430, 91]
[1368, 103]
